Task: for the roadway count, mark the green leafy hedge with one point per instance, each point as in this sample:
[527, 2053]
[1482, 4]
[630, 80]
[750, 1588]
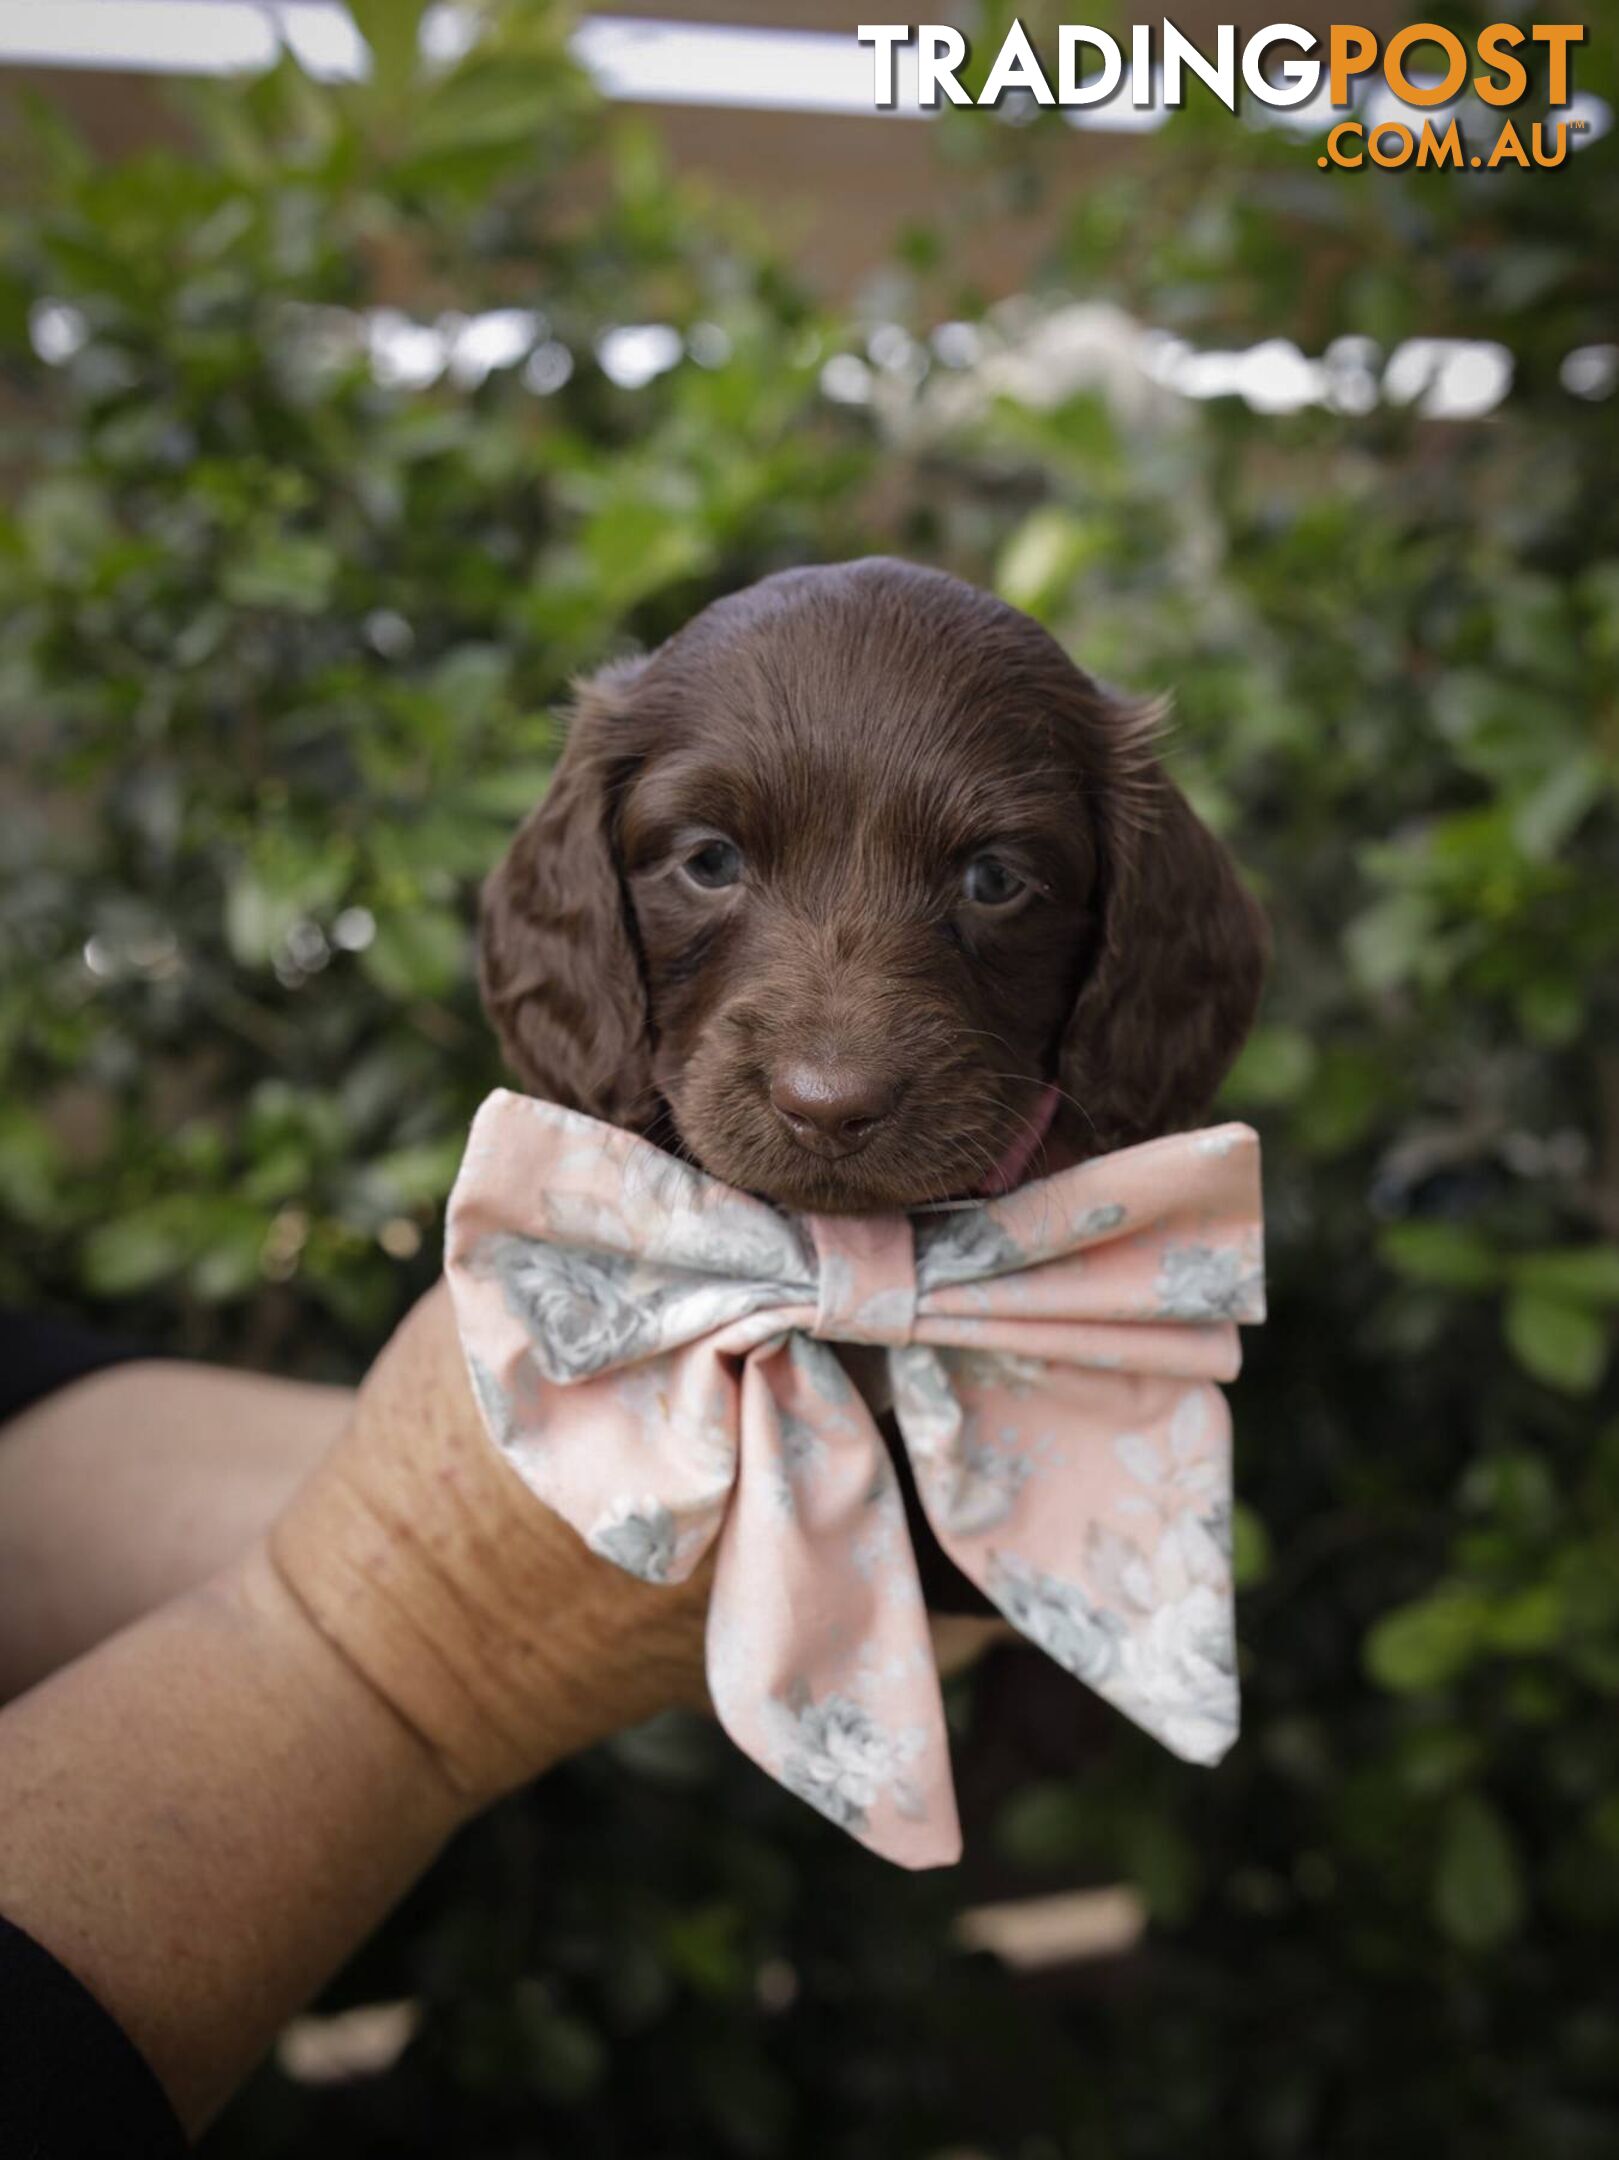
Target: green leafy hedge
[281, 631]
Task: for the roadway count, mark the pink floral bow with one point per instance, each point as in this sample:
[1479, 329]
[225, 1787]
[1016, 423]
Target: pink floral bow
[651, 1351]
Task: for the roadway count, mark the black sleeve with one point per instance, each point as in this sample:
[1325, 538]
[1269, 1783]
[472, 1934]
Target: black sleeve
[39, 1353]
[72, 2085]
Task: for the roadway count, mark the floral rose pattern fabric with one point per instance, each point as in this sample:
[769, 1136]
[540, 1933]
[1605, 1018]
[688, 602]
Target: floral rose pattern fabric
[655, 1354]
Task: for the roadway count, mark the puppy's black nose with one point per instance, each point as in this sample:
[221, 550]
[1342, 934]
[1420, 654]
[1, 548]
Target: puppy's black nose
[831, 1109]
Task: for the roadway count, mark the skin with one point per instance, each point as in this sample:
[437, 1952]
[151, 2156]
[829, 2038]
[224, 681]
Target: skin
[211, 1581]
[135, 1484]
[416, 1626]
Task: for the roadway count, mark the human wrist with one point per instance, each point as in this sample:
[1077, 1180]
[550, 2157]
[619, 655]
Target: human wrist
[470, 1608]
[254, 1598]
[428, 1613]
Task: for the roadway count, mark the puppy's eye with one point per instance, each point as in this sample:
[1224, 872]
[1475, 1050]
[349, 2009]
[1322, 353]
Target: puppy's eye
[714, 865]
[990, 883]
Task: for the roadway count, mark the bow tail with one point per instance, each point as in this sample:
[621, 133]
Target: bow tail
[1098, 1521]
[820, 1657]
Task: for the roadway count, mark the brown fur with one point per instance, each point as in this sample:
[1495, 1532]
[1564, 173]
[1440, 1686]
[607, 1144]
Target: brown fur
[861, 732]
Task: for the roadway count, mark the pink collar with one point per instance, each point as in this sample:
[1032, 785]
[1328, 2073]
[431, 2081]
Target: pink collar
[1026, 1143]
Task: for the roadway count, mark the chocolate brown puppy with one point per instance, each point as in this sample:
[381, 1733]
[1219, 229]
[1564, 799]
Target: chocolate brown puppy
[850, 883]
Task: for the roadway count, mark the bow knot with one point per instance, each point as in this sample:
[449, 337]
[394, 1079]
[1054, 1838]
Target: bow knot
[866, 1288]
[655, 1355]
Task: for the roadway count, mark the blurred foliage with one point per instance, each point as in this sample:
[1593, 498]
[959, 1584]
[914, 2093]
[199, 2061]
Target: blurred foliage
[281, 623]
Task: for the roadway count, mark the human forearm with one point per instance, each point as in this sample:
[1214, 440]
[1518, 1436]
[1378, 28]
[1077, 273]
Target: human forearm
[127, 1488]
[206, 1814]
[203, 1816]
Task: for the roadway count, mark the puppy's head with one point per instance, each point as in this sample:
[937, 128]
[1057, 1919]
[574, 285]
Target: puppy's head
[828, 889]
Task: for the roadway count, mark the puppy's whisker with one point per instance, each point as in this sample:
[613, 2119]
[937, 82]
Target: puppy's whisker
[1062, 1094]
[974, 1157]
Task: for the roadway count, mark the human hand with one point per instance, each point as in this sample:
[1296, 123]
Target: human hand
[477, 1613]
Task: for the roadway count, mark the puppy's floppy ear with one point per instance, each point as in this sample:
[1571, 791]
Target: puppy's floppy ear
[1178, 961]
[559, 970]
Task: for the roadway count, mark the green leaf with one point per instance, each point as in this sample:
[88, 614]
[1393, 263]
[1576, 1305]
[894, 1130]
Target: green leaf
[470, 679]
[1164, 1866]
[419, 1176]
[1561, 1343]
[1045, 1825]
[230, 1267]
[489, 106]
[274, 890]
[1517, 1487]
[1345, 1093]
[1275, 1067]
[67, 525]
[284, 572]
[1426, 1644]
[31, 1161]
[1440, 1253]
[1530, 1620]
[281, 1172]
[134, 1251]
[1550, 1009]
[635, 545]
[509, 792]
[1250, 1547]
[392, 29]
[1041, 559]
[14, 299]
[1438, 1757]
[417, 952]
[1478, 1892]
[1385, 944]
[1576, 1274]
[1542, 822]
[567, 2059]
[448, 839]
